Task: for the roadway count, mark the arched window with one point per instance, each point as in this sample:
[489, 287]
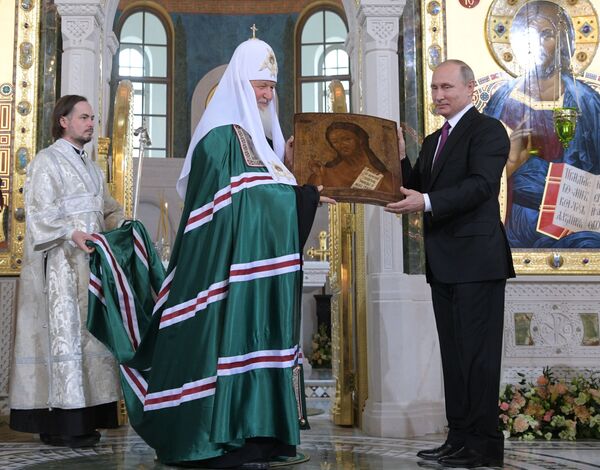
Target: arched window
[321, 35]
[144, 58]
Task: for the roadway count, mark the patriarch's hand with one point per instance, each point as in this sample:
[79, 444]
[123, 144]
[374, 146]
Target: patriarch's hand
[325, 199]
[289, 153]
[401, 144]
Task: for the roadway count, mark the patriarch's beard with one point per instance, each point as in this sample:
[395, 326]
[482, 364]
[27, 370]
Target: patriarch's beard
[267, 122]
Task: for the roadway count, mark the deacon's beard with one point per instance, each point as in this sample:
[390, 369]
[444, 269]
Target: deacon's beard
[267, 123]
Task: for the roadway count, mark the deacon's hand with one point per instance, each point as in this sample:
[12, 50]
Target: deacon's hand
[413, 202]
[79, 238]
[325, 199]
[289, 153]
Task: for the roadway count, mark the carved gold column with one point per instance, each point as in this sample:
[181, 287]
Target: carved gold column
[361, 388]
[102, 157]
[348, 312]
[341, 226]
[121, 174]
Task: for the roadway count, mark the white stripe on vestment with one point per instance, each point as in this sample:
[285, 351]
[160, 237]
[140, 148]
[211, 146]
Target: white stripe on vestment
[163, 295]
[255, 354]
[252, 361]
[256, 366]
[140, 249]
[264, 273]
[94, 290]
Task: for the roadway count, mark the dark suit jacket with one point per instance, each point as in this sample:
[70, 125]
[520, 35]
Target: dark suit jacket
[464, 236]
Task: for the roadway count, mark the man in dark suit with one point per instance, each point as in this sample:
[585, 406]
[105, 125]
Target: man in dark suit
[455, 182]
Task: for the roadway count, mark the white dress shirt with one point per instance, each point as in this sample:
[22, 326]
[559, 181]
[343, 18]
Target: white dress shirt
[453, 121]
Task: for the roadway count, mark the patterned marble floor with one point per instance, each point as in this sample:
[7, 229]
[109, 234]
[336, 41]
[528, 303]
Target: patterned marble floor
[328, 446]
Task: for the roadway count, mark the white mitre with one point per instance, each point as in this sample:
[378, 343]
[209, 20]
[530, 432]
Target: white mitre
[234, 102]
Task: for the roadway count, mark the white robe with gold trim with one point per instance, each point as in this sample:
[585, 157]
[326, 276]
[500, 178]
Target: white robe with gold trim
[63, 193]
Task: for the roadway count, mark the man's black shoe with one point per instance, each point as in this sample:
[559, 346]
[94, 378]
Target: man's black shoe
[470, 458]
[438, 452]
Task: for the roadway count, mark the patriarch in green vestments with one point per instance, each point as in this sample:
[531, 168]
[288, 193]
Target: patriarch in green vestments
[216, 379]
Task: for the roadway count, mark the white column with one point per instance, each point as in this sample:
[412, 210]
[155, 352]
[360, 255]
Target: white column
[82, 23]
[111, 46]
[405, 381]
[81, 27]
[8, 307]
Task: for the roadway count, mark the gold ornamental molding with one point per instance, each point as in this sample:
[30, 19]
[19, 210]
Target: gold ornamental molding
[575, 262]
[347, 280]
[585, 37]
[434, 53]
[361, 385]
[340, 278]
[18, 103]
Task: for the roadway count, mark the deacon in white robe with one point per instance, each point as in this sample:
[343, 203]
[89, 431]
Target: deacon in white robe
[64, 383]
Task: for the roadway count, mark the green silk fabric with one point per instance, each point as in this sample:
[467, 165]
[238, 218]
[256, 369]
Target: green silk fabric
[213, 364]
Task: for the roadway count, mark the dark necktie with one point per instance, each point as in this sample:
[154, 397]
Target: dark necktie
[445, 131]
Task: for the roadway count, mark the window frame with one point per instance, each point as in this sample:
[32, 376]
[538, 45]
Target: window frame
[165, 19]
[300, 80]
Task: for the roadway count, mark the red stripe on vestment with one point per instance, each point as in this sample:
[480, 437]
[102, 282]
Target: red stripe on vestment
[250, 179]
[163, 294]
[199, 301]
[137, 240]
[267, 267]
[98, 287]
[140, 386]
[179, 395]
[255, 360]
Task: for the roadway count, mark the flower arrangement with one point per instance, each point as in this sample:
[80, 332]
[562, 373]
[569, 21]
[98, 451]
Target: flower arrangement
[321, 348]
[552, 408]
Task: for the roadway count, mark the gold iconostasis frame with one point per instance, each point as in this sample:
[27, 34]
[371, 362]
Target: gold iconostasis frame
[19, 60]
[19, 82]
[493, 61]
[347, 279]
